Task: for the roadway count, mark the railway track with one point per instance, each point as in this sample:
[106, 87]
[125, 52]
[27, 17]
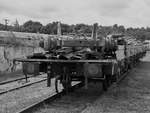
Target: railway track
[5, 85]
[13, 80]
[17, 79]
[48, 99]
[54, 96]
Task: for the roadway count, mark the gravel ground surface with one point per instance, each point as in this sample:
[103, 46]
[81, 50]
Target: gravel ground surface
[14, 101]
[12, 85]
[131, 96]
[74, 102]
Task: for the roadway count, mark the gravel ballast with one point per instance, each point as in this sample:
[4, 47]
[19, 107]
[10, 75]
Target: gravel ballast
[73, 102]
[14, 101]
[20, 83]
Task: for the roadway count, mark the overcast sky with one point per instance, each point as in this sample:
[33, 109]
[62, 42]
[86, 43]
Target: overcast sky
[131, 13]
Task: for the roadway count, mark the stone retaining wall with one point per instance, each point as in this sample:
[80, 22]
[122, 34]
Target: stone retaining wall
[8, 53]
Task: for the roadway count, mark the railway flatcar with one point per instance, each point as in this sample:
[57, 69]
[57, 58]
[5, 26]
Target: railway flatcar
[95, 59]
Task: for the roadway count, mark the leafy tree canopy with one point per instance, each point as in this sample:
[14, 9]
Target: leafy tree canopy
[51, 28]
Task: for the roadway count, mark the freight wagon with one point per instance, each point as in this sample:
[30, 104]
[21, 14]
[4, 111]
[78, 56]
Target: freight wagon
[98, 59]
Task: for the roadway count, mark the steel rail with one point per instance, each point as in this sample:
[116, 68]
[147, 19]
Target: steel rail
[13, 80]
[16, 88]
[48, 99]
[54, 96]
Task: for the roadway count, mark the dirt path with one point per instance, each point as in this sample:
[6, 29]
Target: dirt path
[131, 96]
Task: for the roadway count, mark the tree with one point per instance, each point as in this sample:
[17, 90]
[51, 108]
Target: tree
[31, 26]
[105, 30]
[83, 28]
[2, 27]
[66, 28]
[51, 28]
[121, 29]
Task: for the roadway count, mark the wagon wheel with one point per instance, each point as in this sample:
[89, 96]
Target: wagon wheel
[105, 84]
[131, 64]
[66, 80]
[109, 79]
[66, 83]
[56, 83]
[118, 74]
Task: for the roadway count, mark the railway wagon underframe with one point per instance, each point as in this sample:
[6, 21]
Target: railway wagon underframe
[86, 72]
[104, 71]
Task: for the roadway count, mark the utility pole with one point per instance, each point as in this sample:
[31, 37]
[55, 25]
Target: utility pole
[6, 23]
